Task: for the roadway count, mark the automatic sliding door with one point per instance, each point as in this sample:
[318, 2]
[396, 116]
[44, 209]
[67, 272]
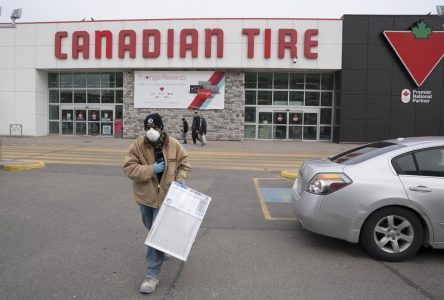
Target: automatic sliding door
[295, 127]
[93, 122]
[80, 121]
[280, 119]
[67, 121]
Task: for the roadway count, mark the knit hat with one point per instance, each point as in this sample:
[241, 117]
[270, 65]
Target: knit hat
[153, 119]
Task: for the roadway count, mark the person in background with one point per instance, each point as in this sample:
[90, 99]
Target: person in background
[184, 130]
[152, 162]
[195, 128]
[203, 131]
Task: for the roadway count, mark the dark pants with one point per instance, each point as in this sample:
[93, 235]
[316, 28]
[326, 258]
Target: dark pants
[195, 136]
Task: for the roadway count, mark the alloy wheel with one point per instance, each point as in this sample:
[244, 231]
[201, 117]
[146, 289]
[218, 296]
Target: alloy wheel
[393, 234]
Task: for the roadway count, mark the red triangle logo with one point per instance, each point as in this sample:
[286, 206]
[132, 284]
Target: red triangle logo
[419, 56]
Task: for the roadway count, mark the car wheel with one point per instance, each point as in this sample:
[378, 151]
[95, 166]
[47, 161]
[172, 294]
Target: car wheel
[392, 234]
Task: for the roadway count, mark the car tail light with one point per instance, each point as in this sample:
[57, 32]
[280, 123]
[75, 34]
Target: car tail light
[326, 183]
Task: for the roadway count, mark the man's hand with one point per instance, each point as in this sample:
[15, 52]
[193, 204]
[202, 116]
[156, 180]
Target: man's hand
[158, 167]
[182, 183]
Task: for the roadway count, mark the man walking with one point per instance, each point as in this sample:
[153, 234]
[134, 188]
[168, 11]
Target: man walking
[153, 161]
[184, 130]
[195, 128]
[203, 131]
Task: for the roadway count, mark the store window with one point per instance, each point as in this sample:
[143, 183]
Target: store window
[280, 98]
[280, 81]
[289, 105]
[264, 98]
[84, 103]
[93, 80]
[107, 80]
[66, 80]
[119, 96]
[265, 80]
[297, 81]
[250, 80]
[66, 96]
[53, 80]
[312, 81]
[79, 96]
[54, 96]
[80, 80]
[250, 114]
[250, 98]
[93, 96]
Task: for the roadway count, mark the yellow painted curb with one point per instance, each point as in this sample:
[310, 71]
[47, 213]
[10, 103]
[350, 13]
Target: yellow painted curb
[288, 174]
[24, 166]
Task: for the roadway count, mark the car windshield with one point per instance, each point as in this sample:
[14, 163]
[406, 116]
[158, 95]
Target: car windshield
[364, 153]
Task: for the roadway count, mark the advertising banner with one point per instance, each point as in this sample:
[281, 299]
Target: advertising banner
[179, 89]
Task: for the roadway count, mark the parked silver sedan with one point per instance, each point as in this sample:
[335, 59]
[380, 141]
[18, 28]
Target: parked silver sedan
[388, 196]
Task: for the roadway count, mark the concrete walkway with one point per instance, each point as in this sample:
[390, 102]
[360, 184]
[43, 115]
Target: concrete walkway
[271, 147]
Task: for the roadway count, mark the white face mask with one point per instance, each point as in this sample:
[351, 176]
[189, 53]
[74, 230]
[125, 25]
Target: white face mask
[152, 134]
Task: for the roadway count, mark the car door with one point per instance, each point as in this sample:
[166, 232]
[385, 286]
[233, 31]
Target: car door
[422, 174]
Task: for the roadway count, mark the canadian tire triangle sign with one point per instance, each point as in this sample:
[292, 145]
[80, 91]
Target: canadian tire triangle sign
[419, 50]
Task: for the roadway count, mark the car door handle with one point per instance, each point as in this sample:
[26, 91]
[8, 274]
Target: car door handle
[420, 188]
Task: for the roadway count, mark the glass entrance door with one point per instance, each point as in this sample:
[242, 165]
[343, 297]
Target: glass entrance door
[289, 125]
[280, 125]
[295, 119]
[67, 121]
[93, 121]
[80, 121]
[87, 121]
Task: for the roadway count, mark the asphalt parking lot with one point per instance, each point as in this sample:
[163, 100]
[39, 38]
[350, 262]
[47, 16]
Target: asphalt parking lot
[73, 232]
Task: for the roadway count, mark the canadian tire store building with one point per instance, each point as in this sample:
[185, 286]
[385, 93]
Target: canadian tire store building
[357, 79]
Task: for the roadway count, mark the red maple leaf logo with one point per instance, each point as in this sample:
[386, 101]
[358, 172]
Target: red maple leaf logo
[419, 50]
[406, 93]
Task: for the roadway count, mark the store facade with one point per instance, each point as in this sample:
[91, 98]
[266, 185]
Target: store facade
[267, 79]
[94, 78]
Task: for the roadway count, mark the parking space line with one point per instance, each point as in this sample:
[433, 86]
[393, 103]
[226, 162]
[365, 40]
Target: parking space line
[262, 202]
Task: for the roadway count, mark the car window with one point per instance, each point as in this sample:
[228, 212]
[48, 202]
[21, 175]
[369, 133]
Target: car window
[364, 153]
[430, 162]
[405, 165]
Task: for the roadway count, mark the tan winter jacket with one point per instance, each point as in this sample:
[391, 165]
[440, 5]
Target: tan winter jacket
[138, 167]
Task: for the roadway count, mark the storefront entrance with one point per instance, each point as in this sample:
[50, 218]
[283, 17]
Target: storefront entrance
[87, 121]
[288, 124]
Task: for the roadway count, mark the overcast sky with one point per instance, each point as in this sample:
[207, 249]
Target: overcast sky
[73, 10]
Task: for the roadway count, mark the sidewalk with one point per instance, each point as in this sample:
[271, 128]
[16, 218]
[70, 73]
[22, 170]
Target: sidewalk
[320, 148]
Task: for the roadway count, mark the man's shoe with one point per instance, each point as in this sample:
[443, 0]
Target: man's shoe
[149, 285]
